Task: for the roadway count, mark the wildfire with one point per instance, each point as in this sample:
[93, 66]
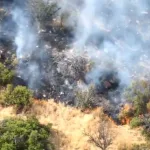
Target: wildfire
[125, 118]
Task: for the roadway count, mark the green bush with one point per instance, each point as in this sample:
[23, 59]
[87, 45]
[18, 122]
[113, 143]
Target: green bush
[18, 134]
[19, 96]
[146, 132]
[138, 93]
[6, 75]
[144, 122]
[148, 106]
[136, 122]
[5, 95]
[140, 106]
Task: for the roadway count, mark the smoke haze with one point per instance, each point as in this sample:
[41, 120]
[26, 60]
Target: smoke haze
[113, 34]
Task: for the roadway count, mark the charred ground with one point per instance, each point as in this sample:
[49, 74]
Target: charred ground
[60, 72]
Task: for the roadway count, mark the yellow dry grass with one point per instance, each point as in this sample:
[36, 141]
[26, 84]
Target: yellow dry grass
[70, 123]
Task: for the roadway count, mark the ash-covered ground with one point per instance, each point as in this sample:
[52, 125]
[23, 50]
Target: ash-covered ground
[77, 45]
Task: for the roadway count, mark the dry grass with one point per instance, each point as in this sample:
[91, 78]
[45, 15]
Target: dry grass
[127, 136]
[70, 123]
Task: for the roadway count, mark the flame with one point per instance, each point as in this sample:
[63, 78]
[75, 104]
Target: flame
[112, 121]
[125, 109]
[125, 121]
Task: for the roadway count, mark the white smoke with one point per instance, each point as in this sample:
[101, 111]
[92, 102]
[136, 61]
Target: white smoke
[115, 34]
[26, 43]
[26, 39]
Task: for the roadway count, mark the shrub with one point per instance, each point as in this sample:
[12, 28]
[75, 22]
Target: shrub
[126, 114]
[148, 106]
[144, 122]
[43, 11]
[139, 105]
[139, 95]
[5, 94]
[2, 14]
[19, 96]
[103, 137]
[6, 75]
[85, 99]
[140, 147]
[18, 134]
[134, 147]
[146, 130]
[136, 122]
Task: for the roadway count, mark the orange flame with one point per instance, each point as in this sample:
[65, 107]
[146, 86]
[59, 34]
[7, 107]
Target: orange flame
[126, 119]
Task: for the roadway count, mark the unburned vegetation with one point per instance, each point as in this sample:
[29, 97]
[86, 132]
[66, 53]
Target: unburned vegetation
[17, 134]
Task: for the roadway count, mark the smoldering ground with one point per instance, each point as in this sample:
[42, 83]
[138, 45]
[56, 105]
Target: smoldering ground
[39, 53]
[115, 36]
[109, 47]
[119, 30]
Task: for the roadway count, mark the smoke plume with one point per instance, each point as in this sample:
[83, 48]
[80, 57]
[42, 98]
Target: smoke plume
[114, 35]
[26, 42]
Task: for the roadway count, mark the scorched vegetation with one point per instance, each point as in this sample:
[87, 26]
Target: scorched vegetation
[85, 54]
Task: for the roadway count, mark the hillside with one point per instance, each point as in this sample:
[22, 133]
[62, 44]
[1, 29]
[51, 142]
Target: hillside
[70, 123]
[74, 74]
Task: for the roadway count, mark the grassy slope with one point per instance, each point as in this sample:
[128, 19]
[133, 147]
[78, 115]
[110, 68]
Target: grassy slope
[70, 123]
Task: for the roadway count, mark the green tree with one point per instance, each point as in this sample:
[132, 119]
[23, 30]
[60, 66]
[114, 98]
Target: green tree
[136, 122]
[138, 93]
[20, 96]
[18, 134]
[6, 75]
